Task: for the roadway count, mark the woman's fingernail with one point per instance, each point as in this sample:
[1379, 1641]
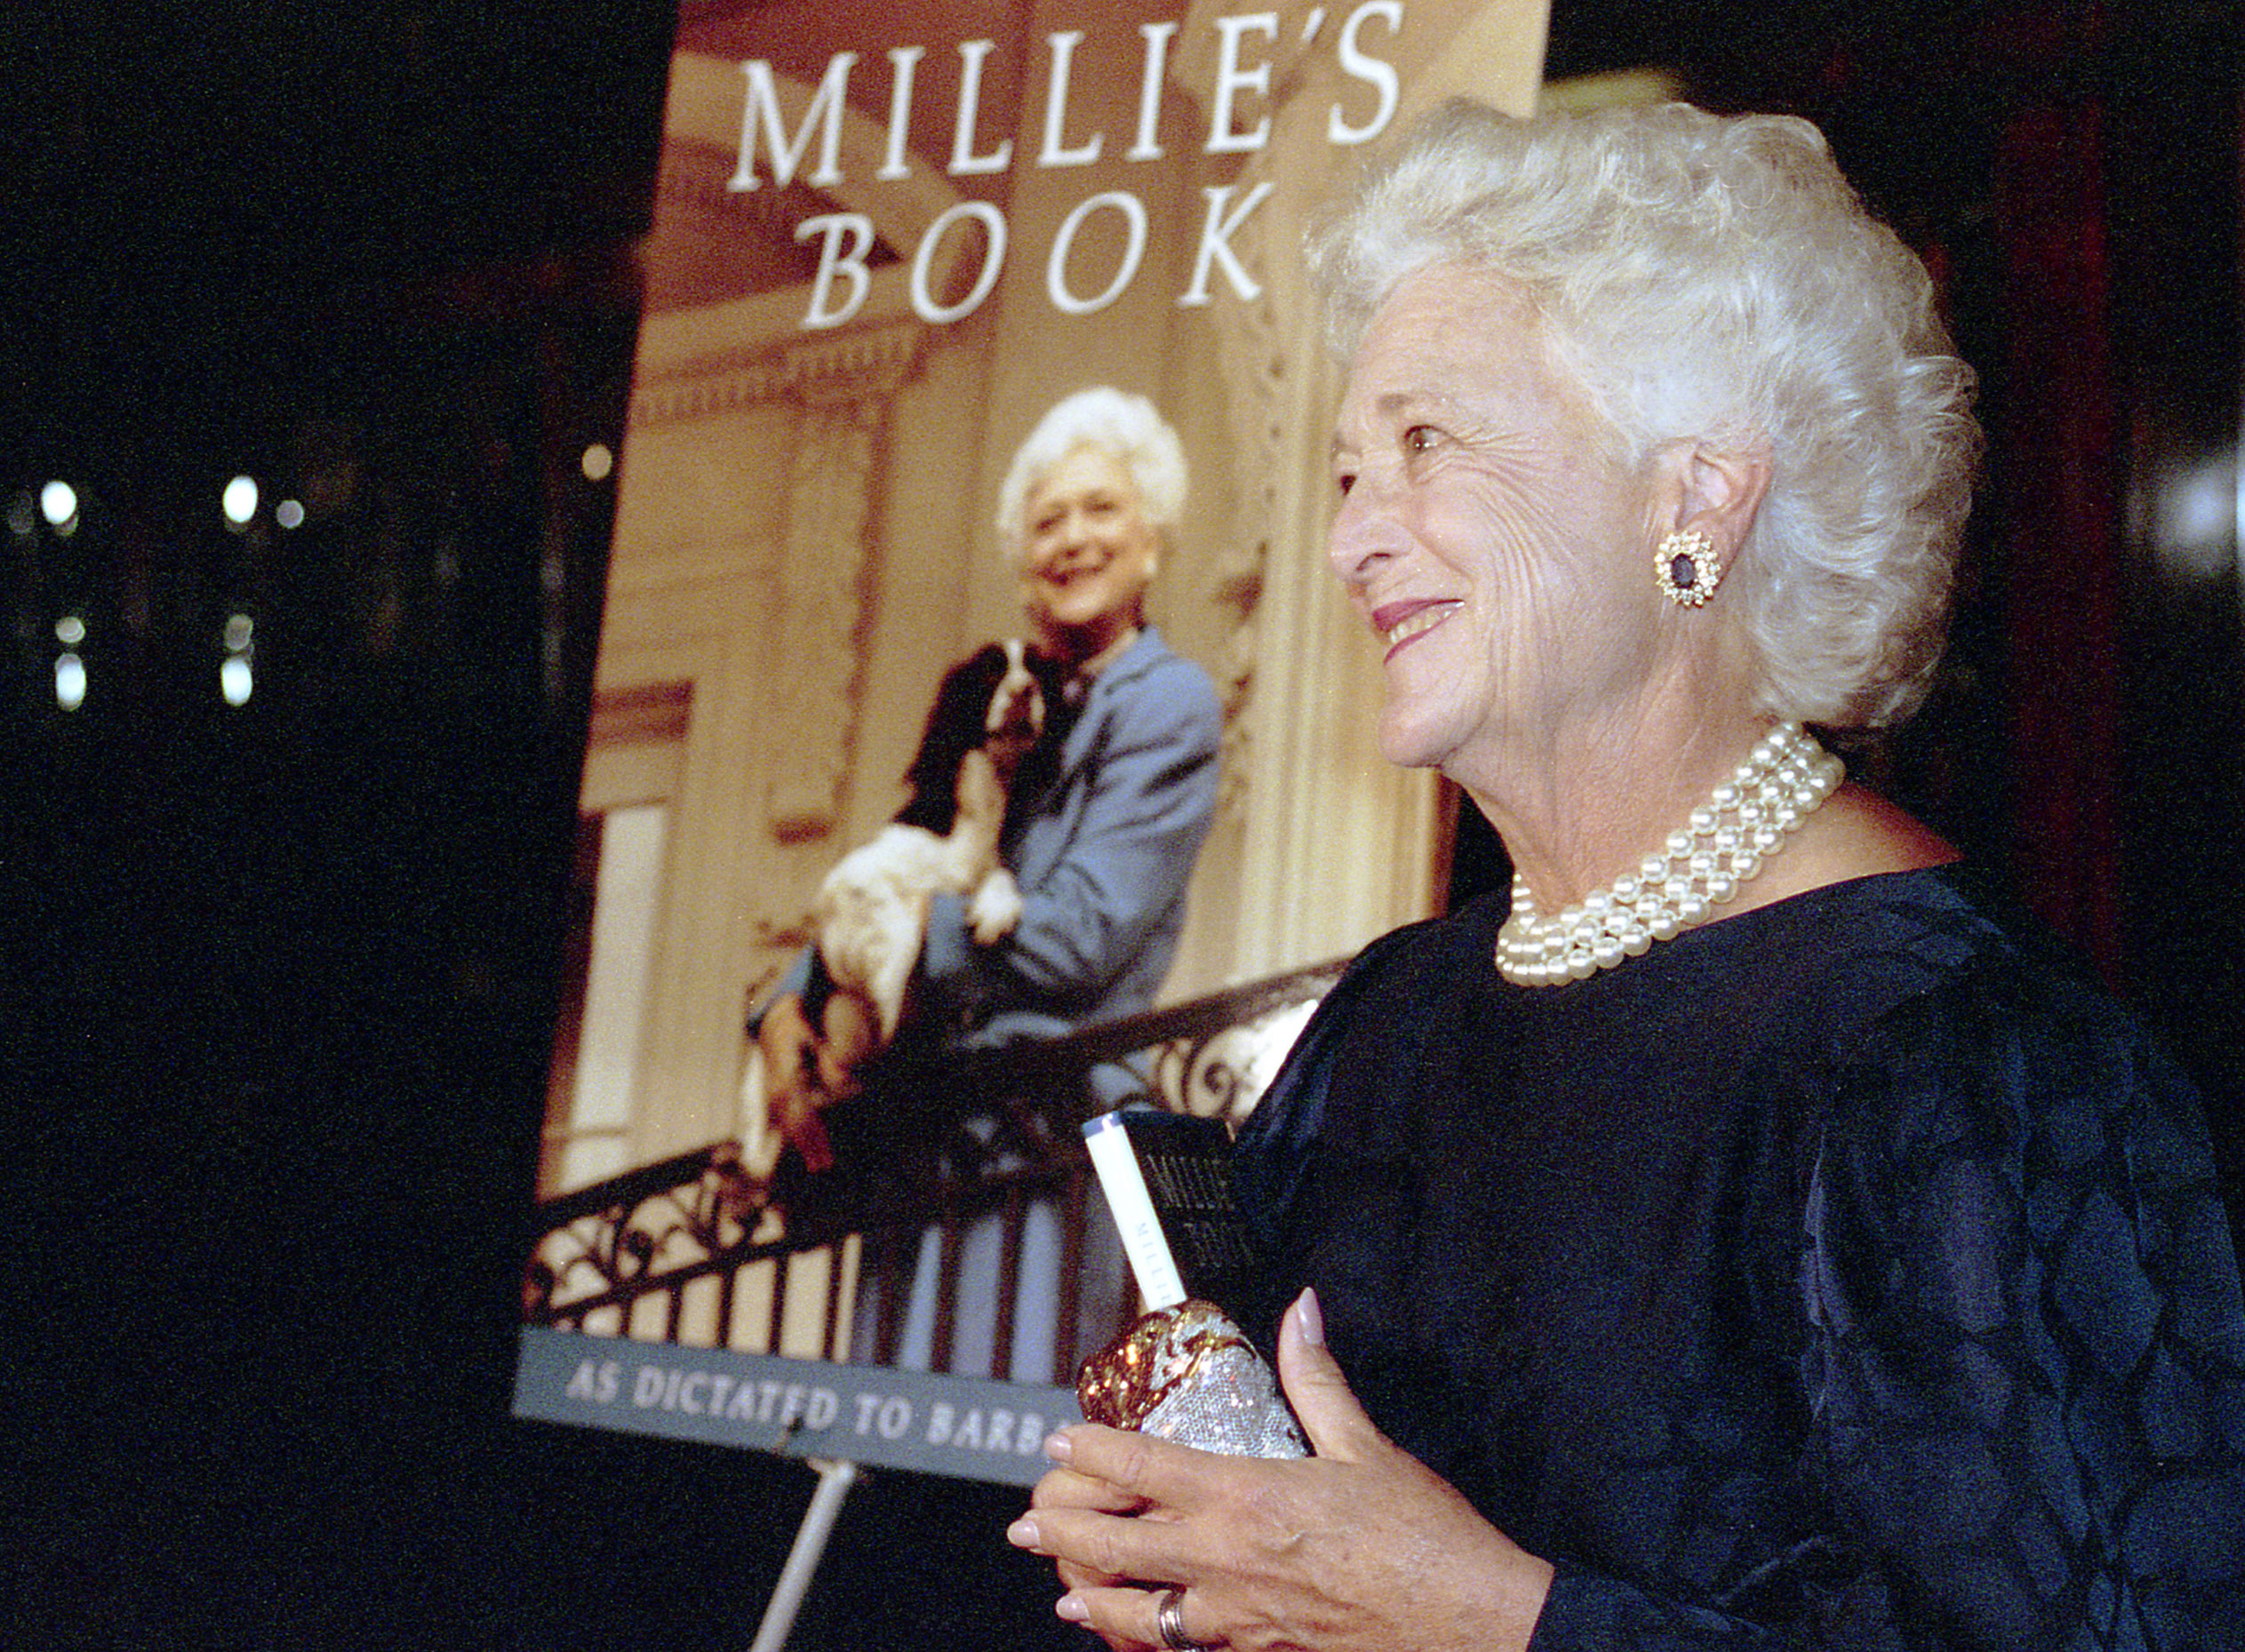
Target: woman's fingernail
[1072, 1608]
[1310, 1318]
[1022, 1534]
[1059, 1448]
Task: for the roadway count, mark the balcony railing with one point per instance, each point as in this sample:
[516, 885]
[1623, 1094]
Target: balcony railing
[691, 1250]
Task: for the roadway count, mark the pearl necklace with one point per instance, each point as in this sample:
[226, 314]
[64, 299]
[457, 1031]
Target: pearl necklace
[1746, 818]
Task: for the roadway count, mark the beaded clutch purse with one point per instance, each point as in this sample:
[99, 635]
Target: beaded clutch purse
[1188, 1373]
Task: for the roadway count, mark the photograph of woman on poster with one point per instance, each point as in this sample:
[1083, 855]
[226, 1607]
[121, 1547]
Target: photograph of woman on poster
[1104, 815]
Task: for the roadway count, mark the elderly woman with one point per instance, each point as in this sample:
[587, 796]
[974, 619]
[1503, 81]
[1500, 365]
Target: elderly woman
[1101, 829]
[1103, 848]
[1743, 1237]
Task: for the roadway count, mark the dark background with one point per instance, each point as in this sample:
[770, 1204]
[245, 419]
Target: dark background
[277, 983]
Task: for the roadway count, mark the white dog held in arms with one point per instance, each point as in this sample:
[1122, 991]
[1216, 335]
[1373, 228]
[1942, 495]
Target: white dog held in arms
[869, 917]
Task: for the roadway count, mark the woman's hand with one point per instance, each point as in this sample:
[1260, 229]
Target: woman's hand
[1358, 1547]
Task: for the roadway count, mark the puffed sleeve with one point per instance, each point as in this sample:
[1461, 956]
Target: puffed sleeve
[2025, 1355]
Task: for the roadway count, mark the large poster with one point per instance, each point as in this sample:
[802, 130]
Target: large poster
[888, 240]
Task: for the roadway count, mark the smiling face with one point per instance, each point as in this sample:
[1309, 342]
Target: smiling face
[1485, 532]
[1088, 553]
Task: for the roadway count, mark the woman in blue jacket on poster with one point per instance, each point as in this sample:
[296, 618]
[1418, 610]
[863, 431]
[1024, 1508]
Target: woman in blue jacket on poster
[1100, 831]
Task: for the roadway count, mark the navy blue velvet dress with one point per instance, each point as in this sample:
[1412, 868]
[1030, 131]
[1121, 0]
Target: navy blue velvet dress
[1843, 1274]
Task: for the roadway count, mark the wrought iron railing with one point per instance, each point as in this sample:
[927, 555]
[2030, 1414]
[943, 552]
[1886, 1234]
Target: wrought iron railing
[690, 1249]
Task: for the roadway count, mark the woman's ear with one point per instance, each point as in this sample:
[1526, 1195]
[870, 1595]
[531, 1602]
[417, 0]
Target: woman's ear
[1718, 490]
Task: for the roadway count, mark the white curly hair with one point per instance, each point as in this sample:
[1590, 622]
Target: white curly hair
[1127, 425]
[1714, 278]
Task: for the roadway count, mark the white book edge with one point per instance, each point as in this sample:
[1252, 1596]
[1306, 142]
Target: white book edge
[1124, 1184]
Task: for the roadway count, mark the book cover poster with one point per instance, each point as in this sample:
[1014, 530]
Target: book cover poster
[887, 238]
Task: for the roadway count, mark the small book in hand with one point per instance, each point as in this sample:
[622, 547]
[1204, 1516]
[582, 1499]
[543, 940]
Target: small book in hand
[1168, 1181]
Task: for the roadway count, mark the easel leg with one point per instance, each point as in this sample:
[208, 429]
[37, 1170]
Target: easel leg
[834, 1481]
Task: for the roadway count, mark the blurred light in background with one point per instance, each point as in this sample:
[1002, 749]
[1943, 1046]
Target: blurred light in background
[239, 501]
[598, 462]
[2199, 511]
[58, 504]
[289, 513]
[69, 681]
[236, 679]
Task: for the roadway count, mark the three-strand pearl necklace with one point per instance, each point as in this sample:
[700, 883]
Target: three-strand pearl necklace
[1723, 844]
